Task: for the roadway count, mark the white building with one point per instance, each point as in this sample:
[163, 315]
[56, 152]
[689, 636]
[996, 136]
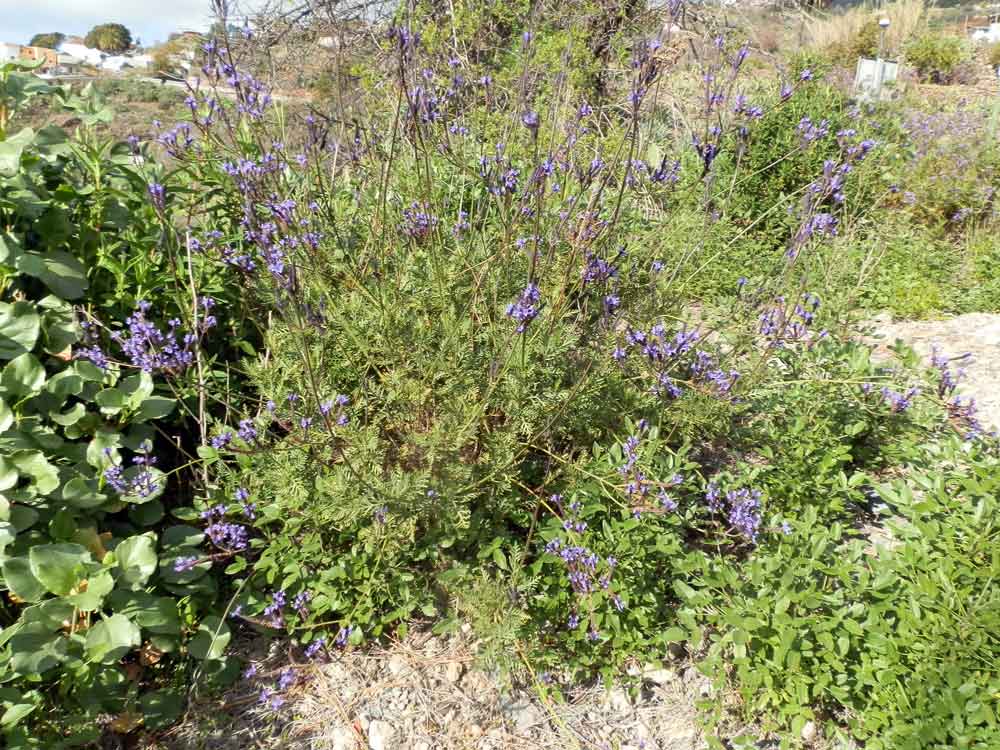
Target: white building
[9, 52]
[988, 34]
[82, 52]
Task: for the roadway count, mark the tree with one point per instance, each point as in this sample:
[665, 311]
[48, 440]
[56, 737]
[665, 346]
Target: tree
[112, 38]
[50, 40]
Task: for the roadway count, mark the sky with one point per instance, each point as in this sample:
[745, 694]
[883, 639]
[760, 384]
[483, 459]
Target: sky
[149, 20]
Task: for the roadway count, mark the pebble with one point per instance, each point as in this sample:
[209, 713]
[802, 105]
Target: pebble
[809, 731]
[381, 736]
[343, 738]
[659, 676]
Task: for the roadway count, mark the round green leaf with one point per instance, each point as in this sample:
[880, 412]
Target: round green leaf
[211, 639]
[98, 587]
[44, 475]
[23, 375]
[112, 638]
[6, 416]
[58, 566]
[19, 328]
[35, 650]
[20, 580]
[161, 708]
[58, 270]
[136, 558]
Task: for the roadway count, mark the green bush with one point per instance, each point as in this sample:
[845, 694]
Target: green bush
[87, 548]
[936, 58]
[993, 55]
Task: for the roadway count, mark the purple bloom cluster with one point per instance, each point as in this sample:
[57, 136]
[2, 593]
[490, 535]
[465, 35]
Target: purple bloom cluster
[586, 572]
[742, 508]
[152, 350]
[781, 325]
[526, 308]
[143, 483]
[418, 221]
[963, 413]
[230, 537]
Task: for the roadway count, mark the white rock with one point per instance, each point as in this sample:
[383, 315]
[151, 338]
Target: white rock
[809, 731]
[397, 665]
[381, 736]
[659, 676]
[343, 738]
[523, 713]
[618, 700]
[453, 671]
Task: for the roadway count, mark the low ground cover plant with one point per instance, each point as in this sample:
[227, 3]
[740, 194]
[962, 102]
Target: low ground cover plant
[446, 356]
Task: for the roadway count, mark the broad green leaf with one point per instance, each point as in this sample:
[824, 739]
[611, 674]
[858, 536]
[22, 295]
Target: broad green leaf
[161, 708]
[135, 389]
[157, 614]
[20, 580]
[11, 150]
[136, 557]
[154, 407]
[19, 328]
[8, 474]
[83, 493]
[111, 638]
[211, 639]
[69, 417]
[102, 448]
[44, 475]
[98, 587]
[35, 650]
[58, 566]
[7, 535]
[10, 248]
[15, 713]
[111, 401]
[52, 614]
[23, 375]
[181, 536]
[6, 417]
[59, 327]
[58, 270]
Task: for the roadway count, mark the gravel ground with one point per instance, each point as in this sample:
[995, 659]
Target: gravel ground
[975, 333]
[427, 693]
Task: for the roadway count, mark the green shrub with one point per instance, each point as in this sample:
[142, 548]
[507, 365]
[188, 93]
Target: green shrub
[993, 55]
[936, 58]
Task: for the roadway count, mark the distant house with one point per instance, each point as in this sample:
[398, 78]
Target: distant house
[988, 34]
[49, 57]
[82, 52]
[9, 52]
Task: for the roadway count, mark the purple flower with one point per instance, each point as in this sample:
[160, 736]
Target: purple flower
[315, 647]
[525, 309]
[184, 564]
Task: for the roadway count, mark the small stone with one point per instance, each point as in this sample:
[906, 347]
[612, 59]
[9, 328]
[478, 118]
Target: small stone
[523, 713]
[475, 730]
[466, 628]
[381, 736]
[453, 671]
[421, 745]
[659, 676]
[809, 731]
[618, 700]
[343, 738]
[397, 665]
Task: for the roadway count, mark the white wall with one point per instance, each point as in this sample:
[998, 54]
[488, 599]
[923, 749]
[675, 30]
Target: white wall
[9, 52]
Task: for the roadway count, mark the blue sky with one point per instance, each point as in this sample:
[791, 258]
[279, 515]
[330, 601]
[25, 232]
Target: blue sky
[149, 20]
